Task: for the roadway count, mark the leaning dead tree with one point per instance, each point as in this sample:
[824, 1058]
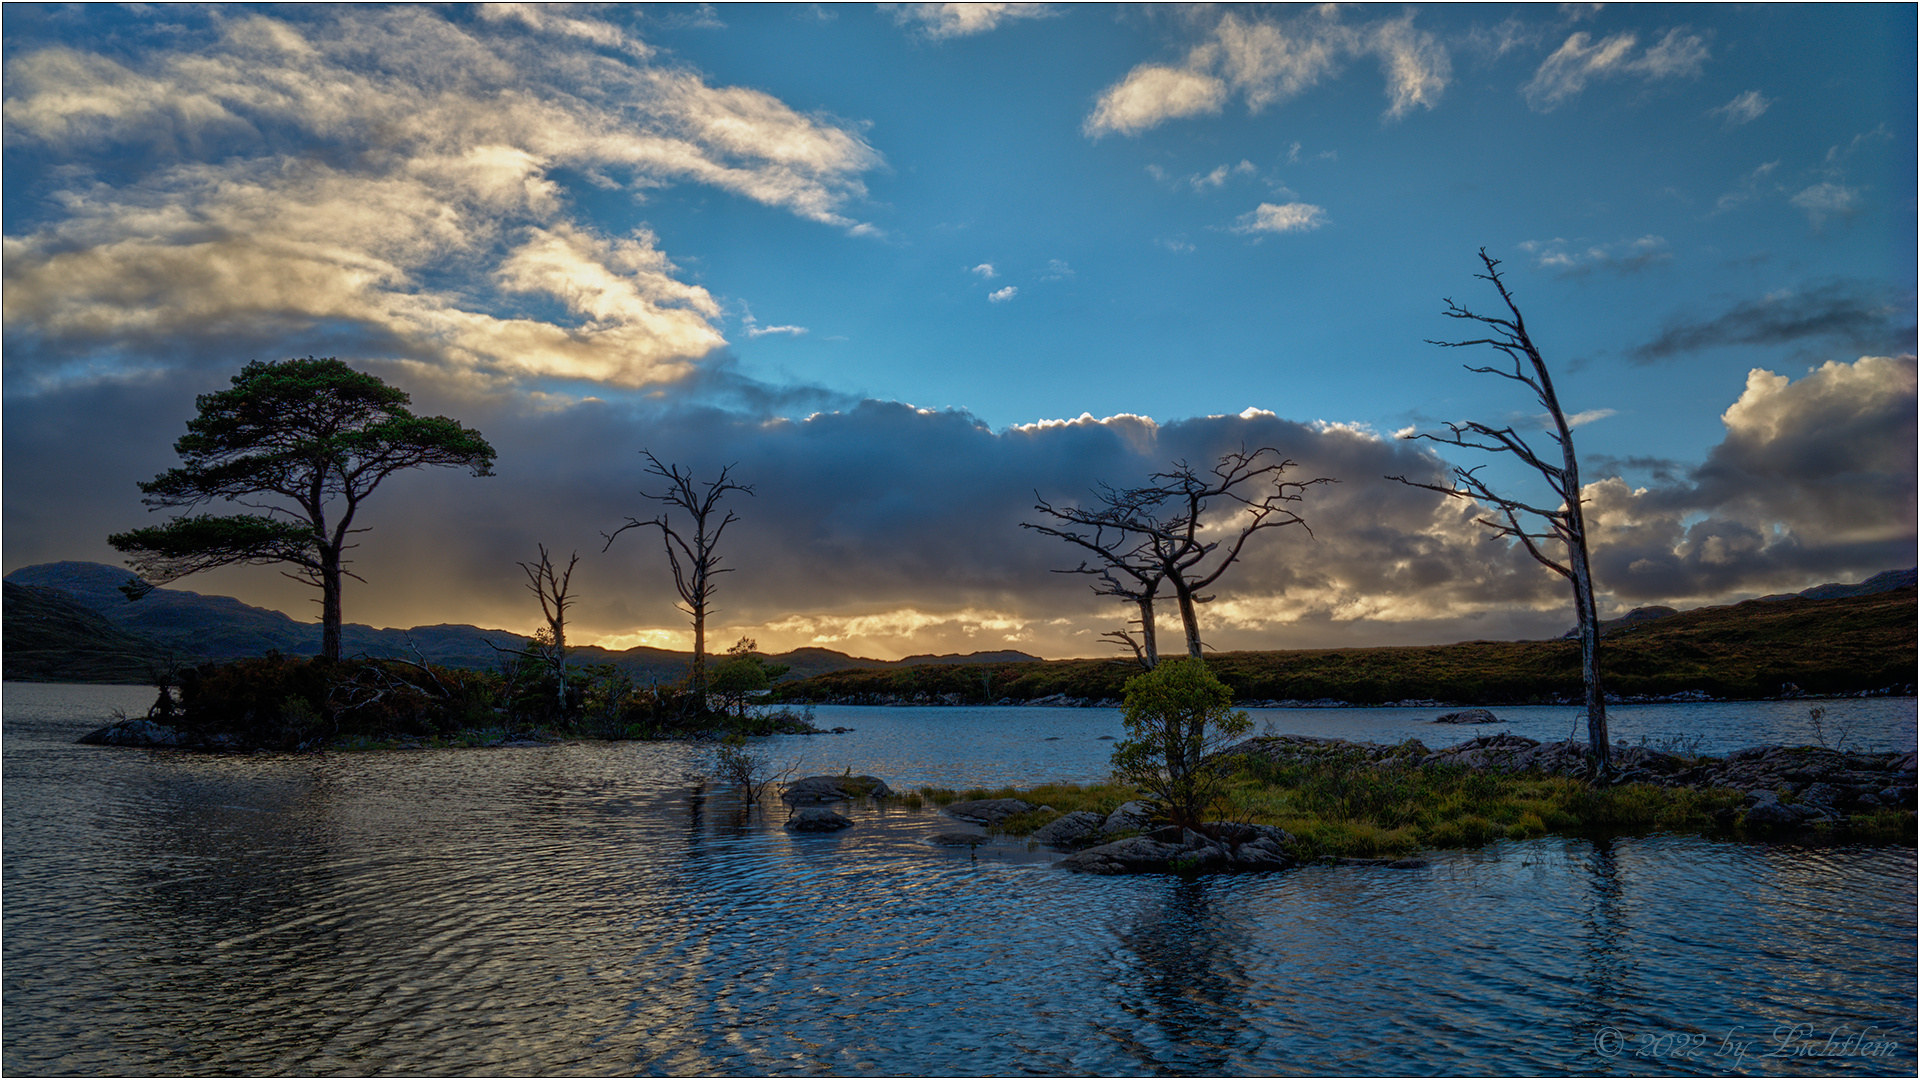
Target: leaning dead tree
[1518, 519]
[550, 584]
[1165, 533]
[1130, 566]
[692, 554]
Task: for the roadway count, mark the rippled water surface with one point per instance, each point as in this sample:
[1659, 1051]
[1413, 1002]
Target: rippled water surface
[578, 910]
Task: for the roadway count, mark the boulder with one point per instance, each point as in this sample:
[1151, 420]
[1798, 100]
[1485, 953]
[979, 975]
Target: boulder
[138, 731]
[830, 789]
[1070, 830]
[1132, 816]
[1775, 814]
[1467, 716]
[989, 811]
[817, 819]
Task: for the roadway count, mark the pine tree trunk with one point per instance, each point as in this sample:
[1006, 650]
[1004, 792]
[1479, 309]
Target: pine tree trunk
[330, 604]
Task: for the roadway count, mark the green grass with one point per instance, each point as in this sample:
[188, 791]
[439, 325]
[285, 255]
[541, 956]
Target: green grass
[1339, 805]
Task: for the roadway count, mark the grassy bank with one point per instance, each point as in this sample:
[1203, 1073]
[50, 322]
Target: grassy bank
[1340, 805]
[1758, 649]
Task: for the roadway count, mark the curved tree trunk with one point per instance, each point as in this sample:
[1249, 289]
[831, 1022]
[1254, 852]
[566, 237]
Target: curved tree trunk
[1149, 644]
[1189, 615]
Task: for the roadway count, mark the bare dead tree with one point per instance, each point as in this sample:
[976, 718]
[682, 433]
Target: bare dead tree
[1130, 569]
[693, 556]
[550, 584]
[1163, 532]
[1263, 499]
[1518, 519]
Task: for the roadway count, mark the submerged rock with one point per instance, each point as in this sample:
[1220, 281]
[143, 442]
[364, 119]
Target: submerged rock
[817, 819]
[957, 839]
[1467, 716]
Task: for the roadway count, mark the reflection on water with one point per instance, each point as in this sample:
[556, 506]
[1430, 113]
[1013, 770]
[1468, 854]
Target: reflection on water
[581, 909]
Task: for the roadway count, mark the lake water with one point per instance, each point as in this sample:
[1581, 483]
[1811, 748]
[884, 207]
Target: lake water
[576, 909]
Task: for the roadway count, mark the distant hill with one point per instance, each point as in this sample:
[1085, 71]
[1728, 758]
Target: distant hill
[1884, 581]
[52, 638]
[71, 623]
[1800, 646]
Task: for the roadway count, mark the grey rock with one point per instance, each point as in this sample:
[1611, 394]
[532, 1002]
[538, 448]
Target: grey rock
[1775, 815]
[830, 789]
[139, 731]
[1231, 846]
[1467, 716]
[989, 811]
[1826, 795]
[817, 819]
[1130, 817]
[1079, 827]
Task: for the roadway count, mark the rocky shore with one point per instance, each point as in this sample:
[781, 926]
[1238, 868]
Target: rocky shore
[1785, 789]
[1784, 785]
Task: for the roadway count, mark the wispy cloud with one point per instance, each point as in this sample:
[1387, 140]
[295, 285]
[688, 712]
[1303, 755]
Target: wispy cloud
[1269, 61]
[1827, 199]
[1001, 296]
[1570, 260]
[1580, 60]
[1283, 218]
[1845, 311]
[1744, 109]
[985, 270]
[1752, 187]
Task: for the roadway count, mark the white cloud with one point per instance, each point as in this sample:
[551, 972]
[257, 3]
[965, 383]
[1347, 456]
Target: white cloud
[1268, 62]
[1284, 218]
[1580, 419]
[1827, 199]
[1152, 94]
[1001, 296]
[1579, 60]
[1743, 109]
[985, 270]
[448, 137]
[1057, 270]
[959, 20]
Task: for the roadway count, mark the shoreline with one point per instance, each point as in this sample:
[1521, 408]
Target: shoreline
[1069, 701]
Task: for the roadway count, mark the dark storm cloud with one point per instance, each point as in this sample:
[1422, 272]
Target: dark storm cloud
[877, 526]
[1858, 315]
[1815, 479]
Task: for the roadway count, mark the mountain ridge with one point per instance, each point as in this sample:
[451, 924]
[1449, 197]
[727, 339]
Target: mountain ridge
[68, 621]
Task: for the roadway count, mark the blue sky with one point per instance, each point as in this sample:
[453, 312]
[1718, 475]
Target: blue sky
[875, 254]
